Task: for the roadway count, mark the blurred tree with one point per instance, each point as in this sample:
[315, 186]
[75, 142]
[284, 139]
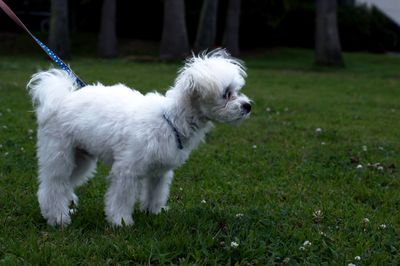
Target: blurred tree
[59, 40]
[174, 39]
[207, 29]
[231, 34]
[327, 42]
[107, 43]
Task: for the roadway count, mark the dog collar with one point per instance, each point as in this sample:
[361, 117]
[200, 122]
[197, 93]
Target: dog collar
[177, 134]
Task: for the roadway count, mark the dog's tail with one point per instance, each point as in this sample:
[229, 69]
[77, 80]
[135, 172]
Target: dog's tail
[48, 89]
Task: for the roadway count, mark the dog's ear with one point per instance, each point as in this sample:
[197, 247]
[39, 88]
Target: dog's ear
[197, 83]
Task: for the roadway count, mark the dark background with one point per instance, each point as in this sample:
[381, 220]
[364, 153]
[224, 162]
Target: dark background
[264, 23]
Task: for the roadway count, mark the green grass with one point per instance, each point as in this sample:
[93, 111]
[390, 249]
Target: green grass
[275, 169]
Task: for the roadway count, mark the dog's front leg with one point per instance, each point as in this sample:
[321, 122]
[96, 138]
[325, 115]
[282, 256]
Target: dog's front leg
[155, 192]
[120, 197]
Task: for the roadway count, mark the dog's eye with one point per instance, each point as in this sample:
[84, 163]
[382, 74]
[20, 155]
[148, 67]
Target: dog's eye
[227, 94]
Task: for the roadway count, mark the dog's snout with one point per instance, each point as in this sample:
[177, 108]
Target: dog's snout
[246, 107]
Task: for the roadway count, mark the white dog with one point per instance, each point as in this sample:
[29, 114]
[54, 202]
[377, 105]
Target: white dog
[143, 137]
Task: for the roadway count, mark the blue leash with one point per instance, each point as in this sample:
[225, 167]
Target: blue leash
[59, 62]
[176, 132]
[46, 49]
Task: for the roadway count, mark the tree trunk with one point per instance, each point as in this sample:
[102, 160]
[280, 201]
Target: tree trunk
[207, 29]
[174, 39]
[231, 34]
[108, 44]
[327, 43]
[59, 40]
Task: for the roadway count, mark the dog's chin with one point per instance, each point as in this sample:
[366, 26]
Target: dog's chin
[240, 120]
[235, 121]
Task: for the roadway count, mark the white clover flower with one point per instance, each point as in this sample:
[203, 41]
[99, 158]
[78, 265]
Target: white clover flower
[180, 189]
[364, 148]
[6, 154]
[268, 109]
[203, 201]
[359, 166]
[30, 131]
[254, 146]
[305, 245]
[366, 220]
[380, 168]
[357, 258]
[382, 226]
[322, 233]
[5, 127]
[317, 213]
[22, 149]
[323, 143]
[238, 215]
[351, 264]
[318, 130]
[234, 244]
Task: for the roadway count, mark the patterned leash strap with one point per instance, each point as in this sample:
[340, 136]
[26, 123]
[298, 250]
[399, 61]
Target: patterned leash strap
[49, 52]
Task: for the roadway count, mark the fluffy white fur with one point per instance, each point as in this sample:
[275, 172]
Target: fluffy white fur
[128, 131]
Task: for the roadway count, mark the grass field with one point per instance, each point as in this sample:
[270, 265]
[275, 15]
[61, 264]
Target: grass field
[311, 178]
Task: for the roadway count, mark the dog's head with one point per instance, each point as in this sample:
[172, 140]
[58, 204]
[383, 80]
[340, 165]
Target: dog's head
[212, 83]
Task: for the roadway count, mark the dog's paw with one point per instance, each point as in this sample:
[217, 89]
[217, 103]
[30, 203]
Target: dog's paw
[74, 200]
[62, 220]
[165, 208]
[157, 209]
[73, 206]
[119, 221]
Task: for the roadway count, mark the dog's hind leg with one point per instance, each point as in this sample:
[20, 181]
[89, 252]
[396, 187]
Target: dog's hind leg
[155, 193]
[56, 164]
[84, 169]
[120, 196]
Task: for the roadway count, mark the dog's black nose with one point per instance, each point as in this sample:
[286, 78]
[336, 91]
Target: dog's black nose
[246, 107]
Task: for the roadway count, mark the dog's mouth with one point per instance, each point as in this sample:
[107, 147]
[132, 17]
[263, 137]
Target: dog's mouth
[240, 119]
